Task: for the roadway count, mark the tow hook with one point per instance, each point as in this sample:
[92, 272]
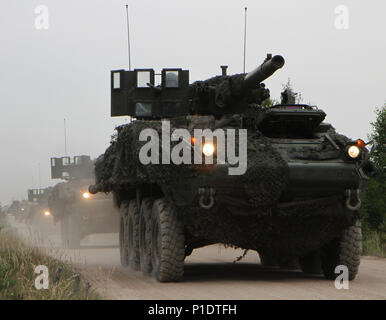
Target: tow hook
[206, 200]
[366, 170]
[353, 197]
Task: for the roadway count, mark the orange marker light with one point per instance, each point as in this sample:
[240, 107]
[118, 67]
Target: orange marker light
[361, 143]
[193, 140]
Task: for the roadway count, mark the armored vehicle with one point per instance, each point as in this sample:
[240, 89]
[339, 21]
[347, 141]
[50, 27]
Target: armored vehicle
[18, 209]
[39, 215]
[70, 203]
[205, 163]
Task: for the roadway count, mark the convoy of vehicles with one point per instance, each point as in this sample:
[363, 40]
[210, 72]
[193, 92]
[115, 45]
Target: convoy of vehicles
[209, 162]
[78, 212]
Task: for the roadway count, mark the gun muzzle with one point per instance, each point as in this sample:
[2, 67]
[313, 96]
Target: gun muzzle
[263, 71]
[93, 189]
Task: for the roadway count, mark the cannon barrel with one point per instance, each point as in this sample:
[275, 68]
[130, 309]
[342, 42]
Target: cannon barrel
[94, 189]
[262, 72]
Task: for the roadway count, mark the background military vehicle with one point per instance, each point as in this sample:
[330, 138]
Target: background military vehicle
[298, 199]
[79, 212]
[18, 209]
[39, 215]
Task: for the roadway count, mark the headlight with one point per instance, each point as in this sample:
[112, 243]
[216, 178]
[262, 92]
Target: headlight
[47, 213]
[208, 149]
[353, 151]
[86, 195]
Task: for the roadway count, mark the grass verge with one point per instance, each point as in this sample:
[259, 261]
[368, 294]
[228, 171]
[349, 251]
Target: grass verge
[17, 274]
[374, 244]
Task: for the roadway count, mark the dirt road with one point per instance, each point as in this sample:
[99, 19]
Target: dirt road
[211, 274]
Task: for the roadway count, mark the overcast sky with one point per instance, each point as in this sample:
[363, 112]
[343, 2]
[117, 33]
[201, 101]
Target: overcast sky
[63, 72]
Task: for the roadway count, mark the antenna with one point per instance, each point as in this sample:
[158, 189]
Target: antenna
[40, 185]
[128, 34]
[65, 138]
[245, 36]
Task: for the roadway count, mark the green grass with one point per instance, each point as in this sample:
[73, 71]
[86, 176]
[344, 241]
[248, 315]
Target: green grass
[374, 244]
[3, 220]
[17, 277]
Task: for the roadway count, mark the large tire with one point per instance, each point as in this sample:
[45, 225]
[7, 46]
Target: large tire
[310, 263]
[345, 250]
[133, 235]
[70, 231]
[289, 264]
[268, 261]
[123, 243]
[145, 235]
[168, 242]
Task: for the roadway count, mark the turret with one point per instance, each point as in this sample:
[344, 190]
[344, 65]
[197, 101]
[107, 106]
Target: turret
[136, 94]
[231, 94]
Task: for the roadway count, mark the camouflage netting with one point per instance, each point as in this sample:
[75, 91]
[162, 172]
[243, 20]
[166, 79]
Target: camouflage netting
[121, 165]
[279, 232]
[64, 194]
[340, 139]
[267, 173]
[58, 200]
[323, 151]
[227, 92]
